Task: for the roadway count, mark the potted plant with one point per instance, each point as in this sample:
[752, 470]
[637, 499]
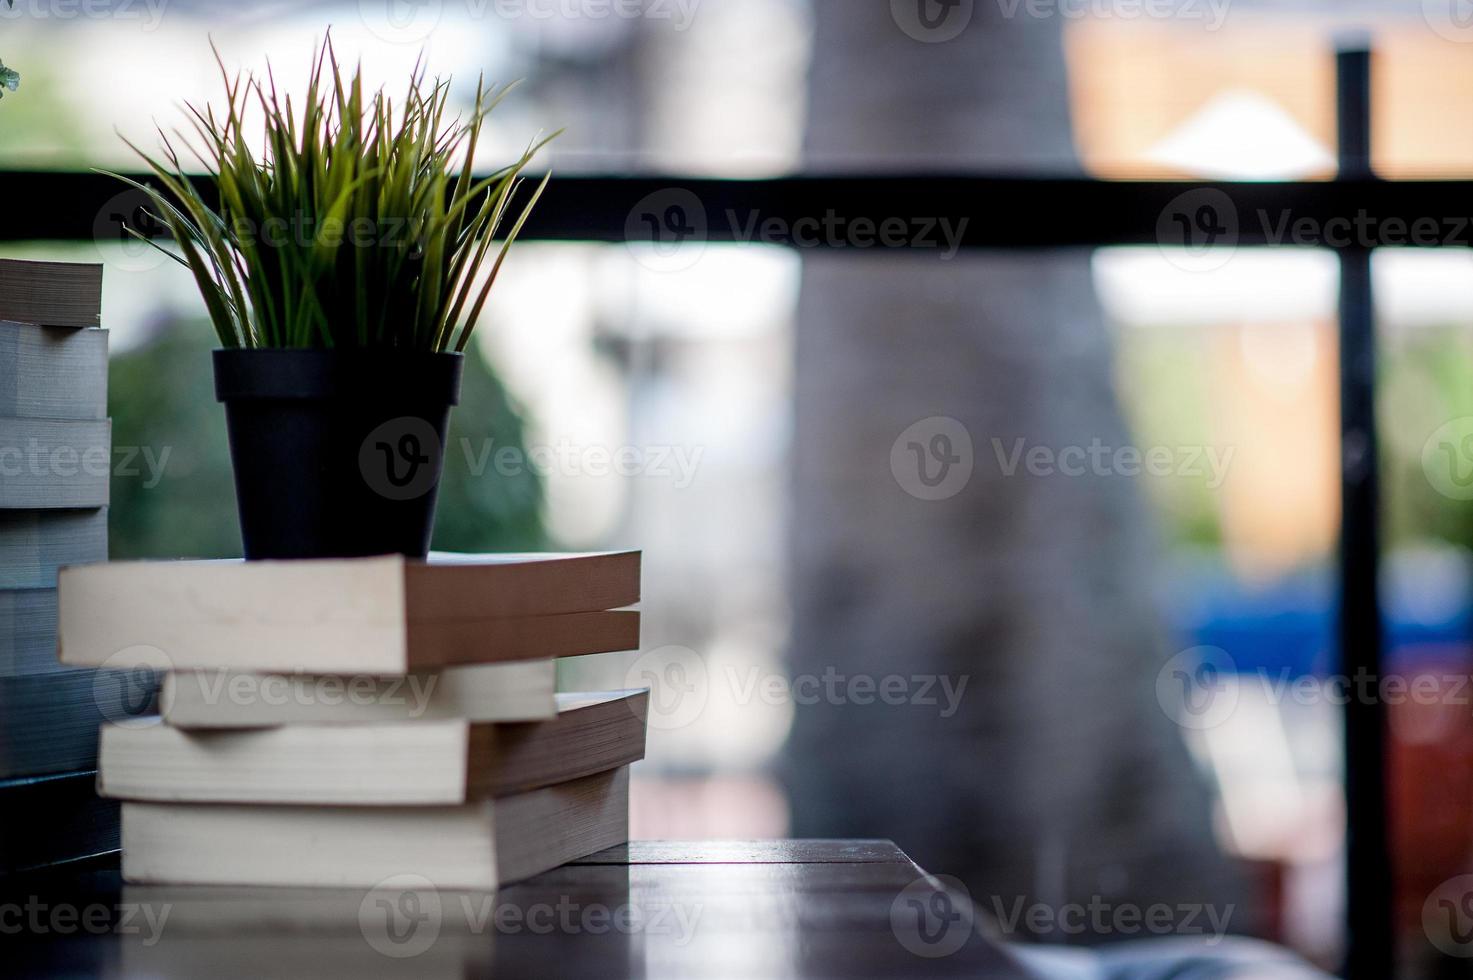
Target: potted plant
[344, 271]
[9, 77]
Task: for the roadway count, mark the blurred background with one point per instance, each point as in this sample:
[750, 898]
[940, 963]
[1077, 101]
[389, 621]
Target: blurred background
[763, 421]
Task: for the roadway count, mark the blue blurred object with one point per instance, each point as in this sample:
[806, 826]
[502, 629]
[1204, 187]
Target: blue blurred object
[1289, 624]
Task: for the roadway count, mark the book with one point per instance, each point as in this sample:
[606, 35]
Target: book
[209, 699]
[54, 463]
[91, 636]
[52, 372]
[435, 763]
[480, 845]
[28, 632]
[53, 294]
[34, 545]
[381, 616]
[47, 820]
[49, 723]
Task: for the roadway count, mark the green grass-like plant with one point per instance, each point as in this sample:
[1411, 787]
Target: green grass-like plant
[358, 228]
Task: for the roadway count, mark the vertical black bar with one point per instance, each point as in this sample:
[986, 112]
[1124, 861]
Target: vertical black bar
[1370, 938]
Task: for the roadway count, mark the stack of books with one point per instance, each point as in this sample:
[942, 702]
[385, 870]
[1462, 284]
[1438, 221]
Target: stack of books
[55, 460]
[338, 722]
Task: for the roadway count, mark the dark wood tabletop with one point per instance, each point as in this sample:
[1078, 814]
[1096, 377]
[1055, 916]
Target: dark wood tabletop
[648, 909]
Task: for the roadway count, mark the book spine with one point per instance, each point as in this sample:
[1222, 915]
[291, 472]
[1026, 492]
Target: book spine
[34, 544]
[47, 464]
[52, 372]
[28, 632]
[55, 467]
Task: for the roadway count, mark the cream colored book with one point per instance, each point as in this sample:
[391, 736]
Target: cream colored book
[433, 763]
[209, 699]
[382, 616]
[481, 845]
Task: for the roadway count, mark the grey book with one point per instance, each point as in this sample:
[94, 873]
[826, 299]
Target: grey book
[35, 544]
[52, 463]
[55, 294]
[52, 372]
[47, 820]
[49, 723]
[28, 633]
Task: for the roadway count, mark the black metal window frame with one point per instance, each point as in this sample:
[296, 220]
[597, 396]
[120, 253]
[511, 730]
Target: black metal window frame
[1015, 213]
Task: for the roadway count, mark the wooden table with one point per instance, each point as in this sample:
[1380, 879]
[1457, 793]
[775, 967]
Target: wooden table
[650, 909]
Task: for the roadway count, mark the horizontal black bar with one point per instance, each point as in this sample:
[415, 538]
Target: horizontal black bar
[901, 211]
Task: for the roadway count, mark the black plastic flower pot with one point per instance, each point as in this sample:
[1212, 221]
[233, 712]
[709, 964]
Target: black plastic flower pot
[337, 454]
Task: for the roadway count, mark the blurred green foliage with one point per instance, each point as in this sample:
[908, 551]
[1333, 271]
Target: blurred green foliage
[162, 400]
[1166, 381]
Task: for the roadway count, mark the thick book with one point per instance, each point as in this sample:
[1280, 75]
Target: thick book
[54, 463]
[28, 632]
[52, 372]
[478, 846]
[47, 820]
[36, 544]
[436, 763]
[383, 616]
[49, 723]
[53, 294]
[212, 699]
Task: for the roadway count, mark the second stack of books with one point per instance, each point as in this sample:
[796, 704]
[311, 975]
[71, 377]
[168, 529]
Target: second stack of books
[55, 461]
[340, 722]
